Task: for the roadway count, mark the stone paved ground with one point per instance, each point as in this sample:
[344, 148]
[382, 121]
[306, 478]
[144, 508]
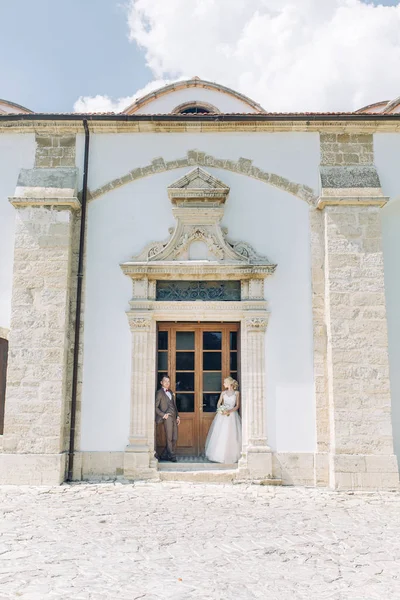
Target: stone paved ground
[186, 541]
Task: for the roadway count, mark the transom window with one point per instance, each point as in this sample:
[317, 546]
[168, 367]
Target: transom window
[179, 291]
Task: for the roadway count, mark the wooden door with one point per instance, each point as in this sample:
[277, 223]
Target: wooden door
[197, 357]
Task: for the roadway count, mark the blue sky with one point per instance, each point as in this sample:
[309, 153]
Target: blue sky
[53, 52]
[57, 51]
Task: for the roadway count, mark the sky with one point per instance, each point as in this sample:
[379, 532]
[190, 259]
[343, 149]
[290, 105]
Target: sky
[95, 55]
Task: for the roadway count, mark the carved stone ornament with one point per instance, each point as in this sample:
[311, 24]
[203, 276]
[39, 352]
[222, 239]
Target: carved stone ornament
[139, 323]
[198, 246]
[256, 323]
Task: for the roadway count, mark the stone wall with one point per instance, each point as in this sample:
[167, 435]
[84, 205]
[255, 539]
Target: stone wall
[339, 149]
[352, 344]
[39, 329]
[54, 151]
[36, 397]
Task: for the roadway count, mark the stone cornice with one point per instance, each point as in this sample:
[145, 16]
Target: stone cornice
[150, 124]
[20, 202]
[148, 307]
[352, 201]
[188, 270]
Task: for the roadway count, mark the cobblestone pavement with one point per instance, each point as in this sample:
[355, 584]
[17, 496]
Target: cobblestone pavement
[184, 541]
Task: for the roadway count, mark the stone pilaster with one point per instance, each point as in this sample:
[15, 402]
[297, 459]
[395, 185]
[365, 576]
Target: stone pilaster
[256, 461]
[139, 461]
[320, 350]
[361, 445]
[36, 404]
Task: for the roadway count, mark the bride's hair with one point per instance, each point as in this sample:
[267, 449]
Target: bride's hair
[232, 382]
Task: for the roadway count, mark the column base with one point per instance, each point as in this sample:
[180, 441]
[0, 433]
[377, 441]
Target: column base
[32, 469]
[256, 464]
[140, 464]
[363, 472]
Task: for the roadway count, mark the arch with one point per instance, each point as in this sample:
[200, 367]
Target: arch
[190, 83]
[383, 107]
[210, 108]
[243, 166]
[7, 107]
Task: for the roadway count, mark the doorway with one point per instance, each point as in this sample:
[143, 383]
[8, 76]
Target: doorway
[197, 357]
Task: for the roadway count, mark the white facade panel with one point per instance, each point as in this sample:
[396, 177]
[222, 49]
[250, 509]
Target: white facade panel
[16, 152]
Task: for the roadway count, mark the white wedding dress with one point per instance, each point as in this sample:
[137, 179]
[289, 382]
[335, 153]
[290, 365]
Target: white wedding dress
[224, 440]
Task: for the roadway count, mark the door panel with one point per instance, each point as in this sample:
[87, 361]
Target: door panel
[197, 357]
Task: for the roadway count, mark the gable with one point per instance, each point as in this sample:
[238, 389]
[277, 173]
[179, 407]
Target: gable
[217, 98]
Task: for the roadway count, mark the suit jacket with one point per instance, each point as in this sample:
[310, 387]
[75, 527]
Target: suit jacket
[162, 404]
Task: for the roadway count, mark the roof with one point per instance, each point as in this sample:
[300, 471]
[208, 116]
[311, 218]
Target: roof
[262, 116]
[388, 107]
[15, 108]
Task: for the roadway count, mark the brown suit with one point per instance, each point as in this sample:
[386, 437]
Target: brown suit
[165, 405]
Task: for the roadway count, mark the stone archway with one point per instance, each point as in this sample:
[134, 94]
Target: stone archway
[243, 166]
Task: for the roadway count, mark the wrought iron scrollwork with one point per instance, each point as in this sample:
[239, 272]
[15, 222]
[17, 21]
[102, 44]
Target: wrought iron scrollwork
[179, 291]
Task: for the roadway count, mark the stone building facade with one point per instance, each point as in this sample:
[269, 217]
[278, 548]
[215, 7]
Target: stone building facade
[192, 216]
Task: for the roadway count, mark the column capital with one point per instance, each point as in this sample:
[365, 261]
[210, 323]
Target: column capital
[256, 323]
[47, 187]
[140, 322]
[350, 185]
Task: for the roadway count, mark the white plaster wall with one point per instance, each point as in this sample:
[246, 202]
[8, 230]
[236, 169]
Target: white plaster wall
[124, 220]
[16, 152]
[387, 160]
[167, 103]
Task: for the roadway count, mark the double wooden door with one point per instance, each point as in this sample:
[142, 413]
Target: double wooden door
[197, 357]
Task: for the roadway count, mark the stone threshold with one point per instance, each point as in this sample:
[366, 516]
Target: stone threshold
[186, 464]
[199, 469]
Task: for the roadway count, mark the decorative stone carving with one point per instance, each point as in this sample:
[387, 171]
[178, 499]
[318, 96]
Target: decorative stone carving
[198, 201]
[199, 234]
[256, 324]
[246, 251]
[139, 323]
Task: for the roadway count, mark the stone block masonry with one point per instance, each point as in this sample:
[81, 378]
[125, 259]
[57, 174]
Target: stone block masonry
[36, 399]
[54, 151]
[339, 149]
[358, 369]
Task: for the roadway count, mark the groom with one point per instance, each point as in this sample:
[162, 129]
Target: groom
[167, 413]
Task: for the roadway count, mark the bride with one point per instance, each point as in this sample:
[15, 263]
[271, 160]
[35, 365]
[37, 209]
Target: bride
[224, 440]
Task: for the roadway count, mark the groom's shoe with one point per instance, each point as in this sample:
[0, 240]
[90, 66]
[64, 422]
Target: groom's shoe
[173, 459]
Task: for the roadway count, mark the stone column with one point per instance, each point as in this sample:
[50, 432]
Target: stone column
[361, 445]
[139, 461]
[35, 444]
[257, 456]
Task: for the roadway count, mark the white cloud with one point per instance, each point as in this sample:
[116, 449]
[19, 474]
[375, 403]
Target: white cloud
[100, 103]
[305, 55]
[285, 54]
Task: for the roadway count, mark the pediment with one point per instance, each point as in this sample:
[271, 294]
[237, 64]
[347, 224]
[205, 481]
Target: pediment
[198, 184]
[198, 244]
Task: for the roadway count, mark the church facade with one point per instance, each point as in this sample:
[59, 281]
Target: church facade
[199, 236]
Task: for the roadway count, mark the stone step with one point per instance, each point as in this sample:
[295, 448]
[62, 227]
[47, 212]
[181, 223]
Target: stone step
[220, 475]
[195, 466]
[202, 475]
